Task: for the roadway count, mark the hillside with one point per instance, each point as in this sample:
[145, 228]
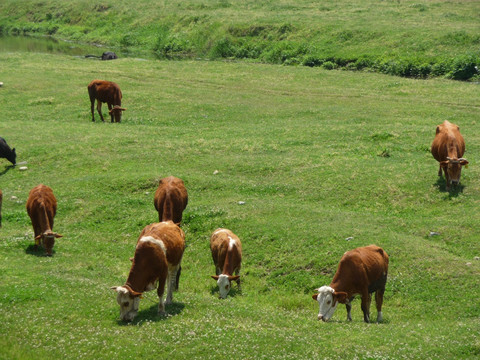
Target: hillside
[302, 164]
[405, 38]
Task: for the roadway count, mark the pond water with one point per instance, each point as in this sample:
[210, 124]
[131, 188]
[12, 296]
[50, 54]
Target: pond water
[52, 46]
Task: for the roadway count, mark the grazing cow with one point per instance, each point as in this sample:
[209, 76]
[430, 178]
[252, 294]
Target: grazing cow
[106, 92]
[170, 199]
[6, 152]
[157, 257]
[360, 271]
[1, 200]
[448, 148]
[41, 207]
[227, 256]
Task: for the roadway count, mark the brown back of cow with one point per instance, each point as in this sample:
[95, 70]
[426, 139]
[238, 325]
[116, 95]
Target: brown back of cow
[170, 199]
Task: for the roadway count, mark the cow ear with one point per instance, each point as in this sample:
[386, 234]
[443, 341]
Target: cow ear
[233, 278]
[58, 235]
[340, 296]
[215, 277]
[38, 237]
[438, 129]
[314, 297]
[123, 109]
[114, 288]
[464, 162]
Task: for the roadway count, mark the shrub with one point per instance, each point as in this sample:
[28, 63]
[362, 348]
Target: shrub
[329, 65]
[463, 68]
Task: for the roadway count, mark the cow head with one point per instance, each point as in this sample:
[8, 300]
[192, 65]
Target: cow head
[117, 112]
[128, 301]
[47, 239]
[453, 168]
[224, 283]
[12, 156]
[328, 300]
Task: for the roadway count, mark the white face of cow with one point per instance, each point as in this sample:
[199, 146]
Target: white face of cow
[224, 285]
[128, 303]
[326, 302]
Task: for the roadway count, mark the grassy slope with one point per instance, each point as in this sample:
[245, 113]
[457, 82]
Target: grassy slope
[409, 38]
[300, 146]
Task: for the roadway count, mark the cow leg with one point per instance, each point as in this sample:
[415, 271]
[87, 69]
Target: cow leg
[440, 171]
[218, 271]
[160, 291]
[348, 305]
[172, 276]
[99, 109]
[379, 302]
[237, 272]
[366, 300]
[92, 109]
[177, 280]
[110, 109]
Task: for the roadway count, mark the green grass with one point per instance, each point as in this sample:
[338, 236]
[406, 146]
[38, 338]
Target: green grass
[317, 156]
[408, 38]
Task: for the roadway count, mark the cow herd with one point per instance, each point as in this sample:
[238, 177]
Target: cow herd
[160, 246]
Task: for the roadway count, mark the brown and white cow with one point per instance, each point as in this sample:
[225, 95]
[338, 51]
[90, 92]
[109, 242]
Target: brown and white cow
[227, 256]
[157, 258]
[448, 148]
[1, 200]
[106, 92]
[170, 199]
[361, 271]
[42, 207]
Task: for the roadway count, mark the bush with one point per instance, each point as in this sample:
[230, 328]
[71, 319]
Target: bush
[464, 68]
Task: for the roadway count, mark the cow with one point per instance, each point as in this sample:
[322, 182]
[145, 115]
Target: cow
[107, 55]
[448, 148]
[1, 200]
[106, 92]
[361, 271]
[42, 207]
[157, 258]
[226, 251]
[6, 152]
[170, 199]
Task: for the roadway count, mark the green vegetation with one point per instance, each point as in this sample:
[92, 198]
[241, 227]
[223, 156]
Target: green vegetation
[434, 38]
[305, 149]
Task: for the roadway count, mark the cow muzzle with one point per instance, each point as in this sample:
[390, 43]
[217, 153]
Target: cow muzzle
[321, 317]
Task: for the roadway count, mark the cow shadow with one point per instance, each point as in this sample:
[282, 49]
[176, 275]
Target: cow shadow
[37, 251]
[151, 314]
[454, 191]
[7, 169]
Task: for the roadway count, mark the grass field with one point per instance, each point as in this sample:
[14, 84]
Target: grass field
[411, 38]
[317, 156]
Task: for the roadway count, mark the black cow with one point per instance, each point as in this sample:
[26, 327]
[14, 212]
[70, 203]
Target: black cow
[107, 55]
[6, 152]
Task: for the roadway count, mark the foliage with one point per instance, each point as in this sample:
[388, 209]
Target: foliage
[407, 38]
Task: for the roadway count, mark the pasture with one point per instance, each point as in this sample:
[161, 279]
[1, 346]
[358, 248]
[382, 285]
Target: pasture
[294, 160]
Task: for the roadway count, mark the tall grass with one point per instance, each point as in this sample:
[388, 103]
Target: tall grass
[317, 157]
[404, 38]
